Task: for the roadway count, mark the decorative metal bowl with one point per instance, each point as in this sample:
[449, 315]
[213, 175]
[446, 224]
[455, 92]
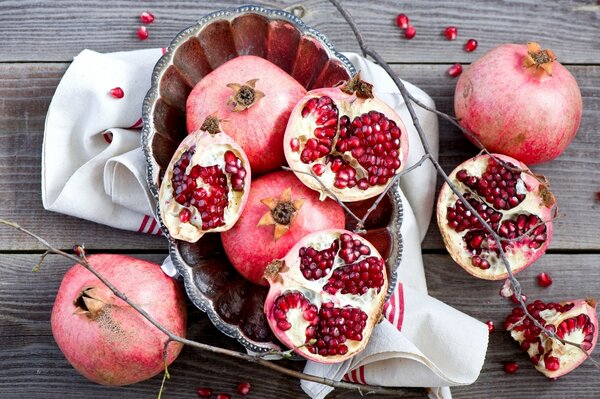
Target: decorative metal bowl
[234, 305]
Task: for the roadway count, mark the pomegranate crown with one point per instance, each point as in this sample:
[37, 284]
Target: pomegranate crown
[211, 124]
[244, 95]
[538, 58]
[358, 87]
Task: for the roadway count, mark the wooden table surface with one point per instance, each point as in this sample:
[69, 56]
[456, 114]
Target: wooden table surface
[39, 39]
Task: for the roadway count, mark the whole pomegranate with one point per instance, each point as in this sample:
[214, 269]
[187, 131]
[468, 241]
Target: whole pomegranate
[352, 140]
[206, 184]
[575, 321]
[279, 212]
[105, 339]
[516, 204]
[254, 99]
[326, 295]
[519, 101]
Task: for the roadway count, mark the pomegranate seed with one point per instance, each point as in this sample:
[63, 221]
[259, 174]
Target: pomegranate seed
[79, 250]
[455, 70]
[204, 392]
[514, 298]
[410, 32]
[511, 367]
[490, 325]
[470, 45]
[544, 280]
[598, 192]
[244, 388]
[506, 289]
[146, 17]
[117, 92]
[142, 33]
[451, 32]
[294, 144]
[223, 396]
[318, 168]
[184, 215]
[551, 363]
[402, 21]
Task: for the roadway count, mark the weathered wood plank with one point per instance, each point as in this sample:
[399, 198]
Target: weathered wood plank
[29, 29]
[32, 365]
[26, 90]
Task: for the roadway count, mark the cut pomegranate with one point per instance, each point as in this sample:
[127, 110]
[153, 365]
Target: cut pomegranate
[206, 184]
[544, 280]
[451, 32]
[574, 321]
[146, 17]
[490, 325]
[511, 367]
[142, 33]
[470, 45]
[410, 32]
[117, 92]
[402, 21]
[328, 316]
[353, 140]
[243, 388]
[455, 70]
[513, 202]
[204, 392]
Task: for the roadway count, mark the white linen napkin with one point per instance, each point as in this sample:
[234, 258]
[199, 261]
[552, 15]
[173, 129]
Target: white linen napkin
[92, 161]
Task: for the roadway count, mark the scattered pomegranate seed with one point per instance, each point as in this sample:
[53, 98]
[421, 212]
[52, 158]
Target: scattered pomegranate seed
[410, 32]
[490, 325]
[514, 298]
[506, 289]
[117, 92]
[470, 45]
[223, 396]
[451, 32]
[204, 392]
[146, 17]
[511, 367]
[598, 193]
[79, 250]
[402, 21]
[455, 70]
[544, 280]
[142, 33]
[244, 388]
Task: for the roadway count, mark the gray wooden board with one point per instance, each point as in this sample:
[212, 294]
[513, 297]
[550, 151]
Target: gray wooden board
[29, 29]
[31, 365]
[26, 90]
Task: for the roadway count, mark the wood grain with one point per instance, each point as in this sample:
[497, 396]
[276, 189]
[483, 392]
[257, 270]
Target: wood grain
[33, 365]
[26, 90]
[29, 29]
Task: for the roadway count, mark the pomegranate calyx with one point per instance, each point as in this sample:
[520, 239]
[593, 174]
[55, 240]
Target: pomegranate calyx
[548, 199]
[592, 302]
[282, 212]
[244, 95]
[273, 268]
[88, 303]
[358, 87]
[538, 58]
[211, 124]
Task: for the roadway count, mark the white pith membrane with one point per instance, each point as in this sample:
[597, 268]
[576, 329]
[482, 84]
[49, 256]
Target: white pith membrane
[308, 124]
[292, 280]
[517, 253]
[209, 150]
[569, 356]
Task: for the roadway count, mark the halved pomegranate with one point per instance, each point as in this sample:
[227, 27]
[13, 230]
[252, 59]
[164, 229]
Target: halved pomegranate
[352, 140]
[206, 184]
[326, 295]
[574, 321]
[517, 205]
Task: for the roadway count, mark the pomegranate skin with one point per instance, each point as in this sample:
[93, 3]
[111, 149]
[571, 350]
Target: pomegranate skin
[517, 111]
[258, 129]
[110, 343]
[250, 248]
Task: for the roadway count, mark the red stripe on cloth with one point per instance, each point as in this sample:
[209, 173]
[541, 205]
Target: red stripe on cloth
[361, 371]
[354, 376]
[392, 313]
[152, 226]
[107, 137]
[138, 123]
[346, 377]
[400, 307]
[143, 224]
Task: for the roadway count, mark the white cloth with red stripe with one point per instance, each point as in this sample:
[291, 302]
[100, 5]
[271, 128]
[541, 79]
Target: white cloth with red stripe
[92, 161]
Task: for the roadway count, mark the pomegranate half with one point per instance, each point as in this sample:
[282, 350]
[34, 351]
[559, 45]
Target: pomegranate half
[326, 295]
[516, 204]
[574, 321]
[354, 142]
[253, 98]
[279, 212]
[104, 338]
[519, 101]
[206, 184]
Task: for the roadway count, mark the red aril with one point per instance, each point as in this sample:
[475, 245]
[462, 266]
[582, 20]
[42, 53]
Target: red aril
[511, 367]
[253, 98]
[204, 392]
[326, 295]
[410, 32]
[544, 280]
[490, 325]
[455, 70]
[511, 200]
[519, 101]
[402, 21]
[206, 184]
[279, 212]
[353, 140]
[574, 321]
[146, 17]
[142, 33]
[470, 45]
[104, 338]
[243, 388]
[117, 92]
[451, 32]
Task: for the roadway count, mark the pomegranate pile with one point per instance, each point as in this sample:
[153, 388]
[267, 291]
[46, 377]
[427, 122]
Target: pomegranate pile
[326, 295]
